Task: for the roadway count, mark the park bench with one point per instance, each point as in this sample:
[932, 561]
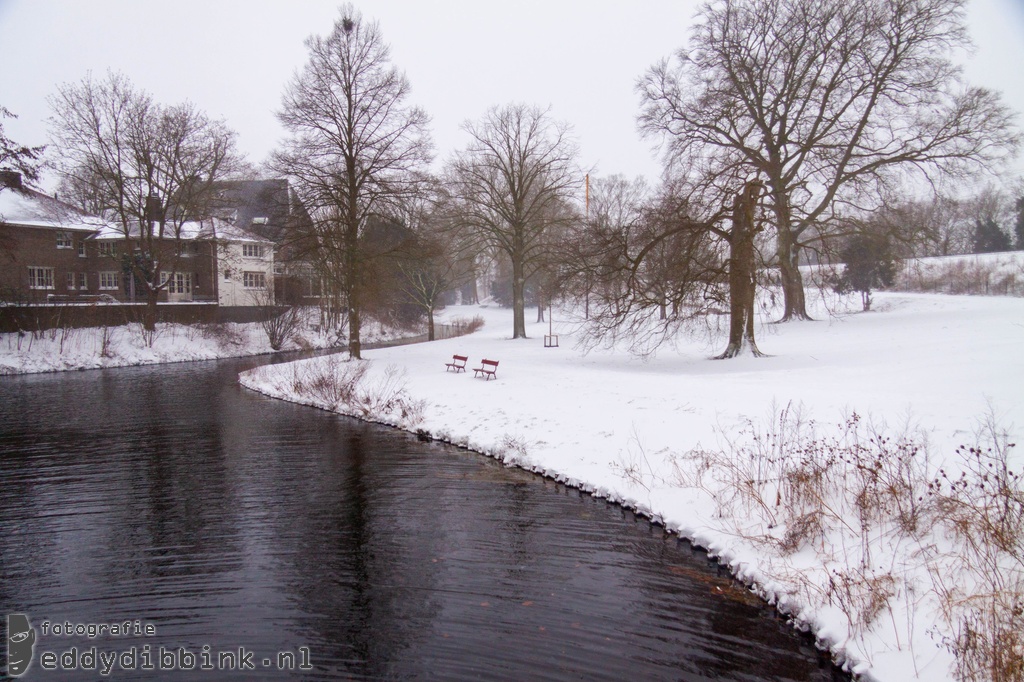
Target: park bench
[484, 371]
[458, 364]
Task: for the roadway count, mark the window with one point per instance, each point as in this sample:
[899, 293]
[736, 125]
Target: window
[40, 278]
[71, 280]
[254, 280]
[227, 275]
[108, 248]
[260, 220]
[83, 281]
[108, 280]
[64, 240]
[180, 282]
[81, 249]
[252, 250]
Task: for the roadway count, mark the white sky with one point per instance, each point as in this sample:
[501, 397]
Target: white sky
[232, 59]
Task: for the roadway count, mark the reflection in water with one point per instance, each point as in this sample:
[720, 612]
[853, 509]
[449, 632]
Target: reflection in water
[226, 519]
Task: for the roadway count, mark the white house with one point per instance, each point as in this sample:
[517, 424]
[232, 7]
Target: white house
[245, 267]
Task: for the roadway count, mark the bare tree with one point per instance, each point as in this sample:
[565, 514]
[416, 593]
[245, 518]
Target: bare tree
[642, 259]
[513, 184]
[150, 168]
[675, 264]
[19, 165]
[437, 260]
[829, 103]
[595, 246]
[353, 149]
[17, 158]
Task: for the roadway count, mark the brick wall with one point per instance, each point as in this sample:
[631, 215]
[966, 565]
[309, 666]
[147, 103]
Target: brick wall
[94, 270]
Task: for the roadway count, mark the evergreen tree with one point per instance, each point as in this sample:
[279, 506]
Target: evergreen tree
[989, 237]
[869, 264]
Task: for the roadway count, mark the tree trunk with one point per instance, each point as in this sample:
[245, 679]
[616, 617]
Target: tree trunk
[518, 299]
[741, 275]
[540, 312]
[354, 346]
[794, 306]
[352, 299]
[430, 324]
[149, 314]
[793, 300]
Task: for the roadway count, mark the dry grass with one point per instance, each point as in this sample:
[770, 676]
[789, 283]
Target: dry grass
[844, 491]
[345, 386]
[986, 274]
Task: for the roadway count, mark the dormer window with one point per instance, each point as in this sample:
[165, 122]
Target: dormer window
[260, 220]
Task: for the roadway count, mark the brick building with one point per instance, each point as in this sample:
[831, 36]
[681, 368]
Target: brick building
[49, 252]
[45, 249]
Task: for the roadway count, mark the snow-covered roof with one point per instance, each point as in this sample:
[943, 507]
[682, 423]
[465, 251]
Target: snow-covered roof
[211, 228]
[35, 209]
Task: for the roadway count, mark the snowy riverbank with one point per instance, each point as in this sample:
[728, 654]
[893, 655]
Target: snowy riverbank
[679, 436]
[97, 347]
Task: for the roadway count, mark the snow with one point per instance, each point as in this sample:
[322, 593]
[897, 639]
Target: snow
[34, 209]
[57, 350]
[928, 366]
[923, 365]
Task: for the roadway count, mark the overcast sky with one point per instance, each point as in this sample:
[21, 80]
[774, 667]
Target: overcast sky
[232, 59]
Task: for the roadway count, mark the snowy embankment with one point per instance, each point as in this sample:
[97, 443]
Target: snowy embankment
[1000, 274]
[811, 473]
[97, 347]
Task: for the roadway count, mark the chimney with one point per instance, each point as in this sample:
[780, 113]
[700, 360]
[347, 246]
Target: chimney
[154, 211]
[11, 179]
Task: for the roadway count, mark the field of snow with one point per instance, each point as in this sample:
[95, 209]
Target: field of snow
[677, 435]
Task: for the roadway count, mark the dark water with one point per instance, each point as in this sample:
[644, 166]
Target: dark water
[222, 518]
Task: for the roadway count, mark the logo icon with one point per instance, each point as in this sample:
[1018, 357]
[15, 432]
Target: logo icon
[21, 639]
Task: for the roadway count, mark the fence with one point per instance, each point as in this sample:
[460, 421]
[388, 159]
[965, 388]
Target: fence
[39, 317]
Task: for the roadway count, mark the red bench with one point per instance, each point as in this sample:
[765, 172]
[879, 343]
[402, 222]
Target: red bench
[458, 364]
[484, 371]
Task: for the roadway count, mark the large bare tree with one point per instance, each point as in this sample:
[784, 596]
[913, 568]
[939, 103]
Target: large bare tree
[829, 103]
[513, 184]
[353, 149]
[674, 262]
[150, 168]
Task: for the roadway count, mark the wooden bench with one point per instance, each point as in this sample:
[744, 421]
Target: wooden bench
[458, 364]
[484, 372]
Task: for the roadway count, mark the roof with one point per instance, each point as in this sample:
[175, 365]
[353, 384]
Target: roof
[23, 206]
[213, 228]
[264, 207]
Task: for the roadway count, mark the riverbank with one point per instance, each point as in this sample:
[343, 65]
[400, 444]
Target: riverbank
[765, 462]
[64, 349]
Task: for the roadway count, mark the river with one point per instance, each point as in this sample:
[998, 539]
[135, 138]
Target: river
[312, 546]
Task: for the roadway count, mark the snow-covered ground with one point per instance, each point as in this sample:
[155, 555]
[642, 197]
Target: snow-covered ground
[95, 347]
[919, 368]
